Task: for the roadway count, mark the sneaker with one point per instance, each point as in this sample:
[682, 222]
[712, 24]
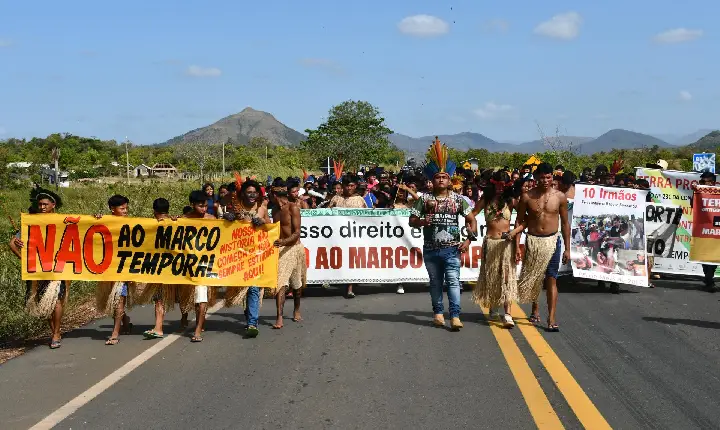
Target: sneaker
[508, 321]
[400, 290]
[439, 321]
[252, 331]
[456, 324]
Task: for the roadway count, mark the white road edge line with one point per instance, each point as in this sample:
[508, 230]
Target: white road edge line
[81, 400]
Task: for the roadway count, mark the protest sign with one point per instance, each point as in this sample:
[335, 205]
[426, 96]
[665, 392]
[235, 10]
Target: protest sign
[668, 238]
[608, 241]
[704, 162]
[186, 251]
[374, 246]
[706, 225]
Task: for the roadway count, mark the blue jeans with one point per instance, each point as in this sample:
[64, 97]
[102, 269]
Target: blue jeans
[443, 267]
[252, 307]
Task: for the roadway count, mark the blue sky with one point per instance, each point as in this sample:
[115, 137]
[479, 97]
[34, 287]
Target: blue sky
[151, 70]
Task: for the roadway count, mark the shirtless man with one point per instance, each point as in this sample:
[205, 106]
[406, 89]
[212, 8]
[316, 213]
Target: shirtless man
[44, 202]
[292, 268]
[199, 203]
[538, 211]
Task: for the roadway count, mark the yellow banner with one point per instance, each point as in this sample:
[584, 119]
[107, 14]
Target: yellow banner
[186, 251]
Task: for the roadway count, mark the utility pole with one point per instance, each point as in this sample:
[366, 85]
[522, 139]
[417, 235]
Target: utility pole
[127, 159]
[223, 158]
[56, 159]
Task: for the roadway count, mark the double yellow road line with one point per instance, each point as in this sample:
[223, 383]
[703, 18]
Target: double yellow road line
[537, 401]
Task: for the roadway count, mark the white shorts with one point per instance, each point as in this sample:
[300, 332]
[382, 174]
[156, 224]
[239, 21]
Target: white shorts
[201, 294]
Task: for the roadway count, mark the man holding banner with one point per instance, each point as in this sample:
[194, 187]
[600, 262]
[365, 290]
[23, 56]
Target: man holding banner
[706, 224]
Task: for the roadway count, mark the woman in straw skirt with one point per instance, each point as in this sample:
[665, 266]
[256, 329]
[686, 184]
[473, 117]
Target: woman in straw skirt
[44, 299]
[497, 283]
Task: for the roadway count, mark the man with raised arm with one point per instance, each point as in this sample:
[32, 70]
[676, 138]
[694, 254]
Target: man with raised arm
[538, 211]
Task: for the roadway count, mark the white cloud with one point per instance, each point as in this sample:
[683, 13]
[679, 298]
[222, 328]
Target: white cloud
[492, 111]
[564, 26]
[203, 72]
[678, 35]
[5, 43]
[685, 96]
[423, 26]
[323, 63]
[497, 25]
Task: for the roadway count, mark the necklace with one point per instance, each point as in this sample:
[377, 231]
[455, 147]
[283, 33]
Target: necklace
[541, 210]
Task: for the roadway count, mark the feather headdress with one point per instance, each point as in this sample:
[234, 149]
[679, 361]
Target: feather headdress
[458, 182]
[305, 175]
[438, 160]
[338, 168]
[617, 166]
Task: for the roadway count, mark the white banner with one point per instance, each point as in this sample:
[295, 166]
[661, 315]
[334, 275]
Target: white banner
[608, 241]
[373, 246]
[669, 237]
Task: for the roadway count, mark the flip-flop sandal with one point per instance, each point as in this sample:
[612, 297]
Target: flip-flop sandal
[534, 319]
[553, 328]
[55, 344]
[112, 341]
[196, 339]
[153, 335]
[297, 320]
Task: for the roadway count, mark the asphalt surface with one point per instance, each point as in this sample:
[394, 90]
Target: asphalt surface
[646, 358]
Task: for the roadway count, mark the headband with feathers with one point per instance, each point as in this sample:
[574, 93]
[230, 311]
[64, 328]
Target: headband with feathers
[338, 168]
[438, 160]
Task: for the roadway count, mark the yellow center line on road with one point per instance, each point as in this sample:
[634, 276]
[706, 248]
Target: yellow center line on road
[537, 402]
[589, 416]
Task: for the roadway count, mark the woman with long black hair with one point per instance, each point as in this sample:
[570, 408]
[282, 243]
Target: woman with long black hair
[497, 283]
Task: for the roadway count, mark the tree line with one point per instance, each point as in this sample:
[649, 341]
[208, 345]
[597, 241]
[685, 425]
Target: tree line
[354, 132]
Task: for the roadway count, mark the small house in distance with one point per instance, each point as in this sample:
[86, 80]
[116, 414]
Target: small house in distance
[164, 169]
[142, 171]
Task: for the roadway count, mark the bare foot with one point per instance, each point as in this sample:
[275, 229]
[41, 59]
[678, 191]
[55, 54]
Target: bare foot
[278, 324]
[297, 317]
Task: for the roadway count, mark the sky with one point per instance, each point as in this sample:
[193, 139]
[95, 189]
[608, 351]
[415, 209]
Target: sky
[152, 70]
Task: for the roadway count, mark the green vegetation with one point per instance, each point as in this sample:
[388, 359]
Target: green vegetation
[82, 199]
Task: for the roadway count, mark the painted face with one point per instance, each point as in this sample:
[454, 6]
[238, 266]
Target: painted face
[121, 210]
[544, 181]
[46, 206]
[200, 208]
[251, 195]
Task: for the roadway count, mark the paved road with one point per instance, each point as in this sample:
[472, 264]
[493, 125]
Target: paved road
[641, 359]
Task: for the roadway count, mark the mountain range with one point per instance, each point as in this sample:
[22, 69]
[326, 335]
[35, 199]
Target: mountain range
[241, 127]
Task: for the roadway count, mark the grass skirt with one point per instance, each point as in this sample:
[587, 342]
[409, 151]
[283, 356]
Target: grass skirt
[107, 296]
[44, 305]
[497, 282]
[538, 252]
[151, 292]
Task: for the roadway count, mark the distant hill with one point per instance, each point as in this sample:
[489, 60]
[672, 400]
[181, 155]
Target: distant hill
[707, 143]
[241, 127]
[461, 141]
[539, 145]
[691, 138]
[621, 139]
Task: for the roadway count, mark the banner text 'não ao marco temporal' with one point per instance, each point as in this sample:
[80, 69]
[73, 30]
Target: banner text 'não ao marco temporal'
[185, 251]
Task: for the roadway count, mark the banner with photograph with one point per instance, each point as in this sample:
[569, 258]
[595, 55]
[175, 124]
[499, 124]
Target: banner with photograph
[374, 246]
[669, 220]
[706, 226]
[186, 251]
[704, 162]
[608, 234]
